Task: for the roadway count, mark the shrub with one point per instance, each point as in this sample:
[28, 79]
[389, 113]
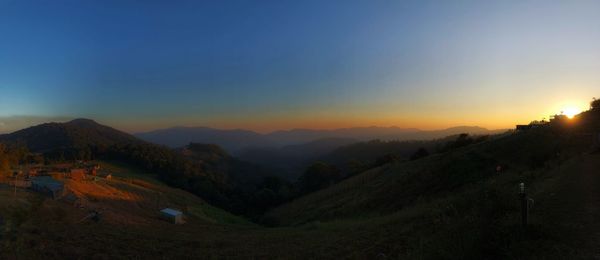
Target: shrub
[422, 152]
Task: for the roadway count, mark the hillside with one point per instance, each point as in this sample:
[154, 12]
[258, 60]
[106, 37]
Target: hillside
[206, 171]
[455, 203]
[291, 160]
[435, 176]
[129, 226]
[368, 153]
[77, 133]
[214, 159]
[458, 203]
[128, 203]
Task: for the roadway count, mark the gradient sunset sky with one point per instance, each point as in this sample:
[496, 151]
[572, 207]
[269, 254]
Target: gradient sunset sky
[265, 65]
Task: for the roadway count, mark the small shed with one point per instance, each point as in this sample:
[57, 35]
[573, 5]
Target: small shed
[173, 216]
[48, 185]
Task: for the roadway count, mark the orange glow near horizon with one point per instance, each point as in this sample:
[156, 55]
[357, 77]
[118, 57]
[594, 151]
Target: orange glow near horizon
[446, 118]
[424, 115]
[270, 124]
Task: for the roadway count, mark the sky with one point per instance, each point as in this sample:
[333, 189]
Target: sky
[267, 65]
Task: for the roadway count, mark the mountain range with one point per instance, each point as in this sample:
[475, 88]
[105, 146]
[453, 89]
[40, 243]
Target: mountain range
[238, 140]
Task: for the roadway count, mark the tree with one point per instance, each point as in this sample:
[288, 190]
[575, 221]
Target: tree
[272, 182]
[318, 176]
[385, 159]
[420, 153]
[595, 104]
[356, 166]
[462, 140]
[4, 161]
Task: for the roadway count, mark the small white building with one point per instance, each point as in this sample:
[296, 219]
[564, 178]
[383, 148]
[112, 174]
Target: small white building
[173, 216]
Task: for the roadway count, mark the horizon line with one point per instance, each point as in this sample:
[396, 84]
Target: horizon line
[69, 119]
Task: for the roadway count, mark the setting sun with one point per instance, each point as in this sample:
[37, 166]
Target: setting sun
[570, 112]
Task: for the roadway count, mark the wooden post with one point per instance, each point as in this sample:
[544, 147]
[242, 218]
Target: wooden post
[158, 200]
[524, 205]
[16, 179]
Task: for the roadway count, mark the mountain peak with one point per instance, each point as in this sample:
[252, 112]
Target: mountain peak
[80, 132]
[82, 121]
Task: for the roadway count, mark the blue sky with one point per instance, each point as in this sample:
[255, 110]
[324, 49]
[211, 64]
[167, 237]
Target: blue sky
[266, 65]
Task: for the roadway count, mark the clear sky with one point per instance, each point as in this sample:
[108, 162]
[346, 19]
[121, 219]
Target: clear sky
[264, 65]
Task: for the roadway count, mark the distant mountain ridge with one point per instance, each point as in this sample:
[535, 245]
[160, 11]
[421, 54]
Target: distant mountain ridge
[237, 140]
[231, 140]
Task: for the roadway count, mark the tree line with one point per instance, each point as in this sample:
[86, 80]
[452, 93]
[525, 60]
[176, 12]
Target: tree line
[322, 174]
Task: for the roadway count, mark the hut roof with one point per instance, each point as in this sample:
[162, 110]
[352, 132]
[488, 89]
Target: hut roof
[171, 212]
[48, 182]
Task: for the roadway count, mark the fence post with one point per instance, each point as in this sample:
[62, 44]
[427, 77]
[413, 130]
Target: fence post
[524, 205]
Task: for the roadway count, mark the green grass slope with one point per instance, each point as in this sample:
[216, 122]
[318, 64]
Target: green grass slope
[456, 205]
[392, 187]
[447, 206]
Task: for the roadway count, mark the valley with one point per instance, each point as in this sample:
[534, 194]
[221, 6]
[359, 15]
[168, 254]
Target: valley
[460, 202]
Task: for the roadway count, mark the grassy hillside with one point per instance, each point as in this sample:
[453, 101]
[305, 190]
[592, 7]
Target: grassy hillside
[36, 227]
[129, 203]
[207, 172]
[394, 186]
[454, 205]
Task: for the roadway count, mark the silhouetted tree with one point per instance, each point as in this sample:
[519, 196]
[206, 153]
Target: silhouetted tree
[318, 176]
[272, 182]
[4, 161]
[595, 104]
[462, 140]
[422, 152]
[357, 166]
[388, 158]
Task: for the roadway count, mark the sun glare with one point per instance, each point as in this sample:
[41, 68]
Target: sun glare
[570, 112]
